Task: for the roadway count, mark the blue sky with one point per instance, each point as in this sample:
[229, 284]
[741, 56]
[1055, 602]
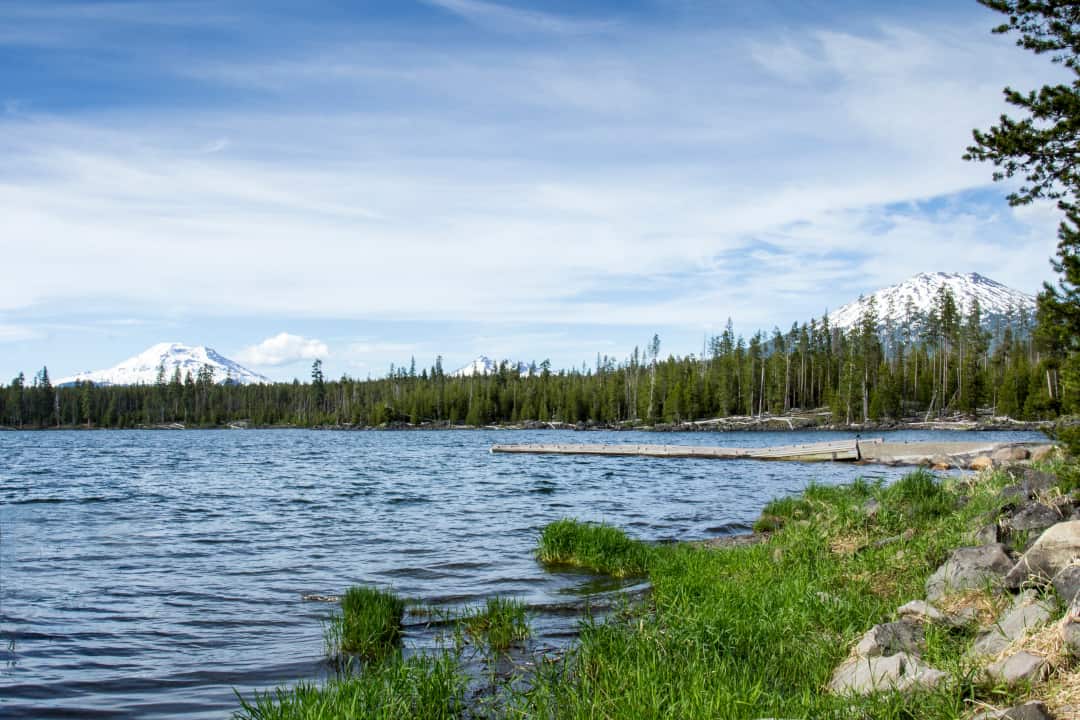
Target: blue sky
[369, 181]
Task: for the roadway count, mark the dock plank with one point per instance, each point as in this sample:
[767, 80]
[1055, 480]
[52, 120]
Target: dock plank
[809, 452]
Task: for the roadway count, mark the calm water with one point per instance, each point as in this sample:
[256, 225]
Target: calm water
[149, 574]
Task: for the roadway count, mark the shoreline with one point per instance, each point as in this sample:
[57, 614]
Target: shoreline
[740, 424]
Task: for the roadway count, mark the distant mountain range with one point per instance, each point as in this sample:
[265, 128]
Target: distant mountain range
[918, 294]
[143, 368]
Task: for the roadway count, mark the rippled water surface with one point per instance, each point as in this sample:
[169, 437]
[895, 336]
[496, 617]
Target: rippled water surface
[155, 574]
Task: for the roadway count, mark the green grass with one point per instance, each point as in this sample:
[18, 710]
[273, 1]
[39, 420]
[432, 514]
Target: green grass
[596, 547]
[499, 624]
[421, 687]
[756, 631]
[369, 625]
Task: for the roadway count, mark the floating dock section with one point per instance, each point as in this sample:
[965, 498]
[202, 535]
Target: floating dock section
[941, 455]
[810, 452]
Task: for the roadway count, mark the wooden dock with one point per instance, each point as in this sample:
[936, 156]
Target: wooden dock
[810, 452]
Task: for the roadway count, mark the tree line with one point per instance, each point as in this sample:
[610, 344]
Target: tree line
[943, 362]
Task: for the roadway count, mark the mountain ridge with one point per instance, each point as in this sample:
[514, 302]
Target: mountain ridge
[996, 300]
[142, 369]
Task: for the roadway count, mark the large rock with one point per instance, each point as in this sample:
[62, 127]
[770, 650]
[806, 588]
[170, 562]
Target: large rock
[1036, 481]
[1034, 516]
[1070, 635]
[1042, 452]
[1052, 552]
[983, 462]
[1033, 710]
[1011, 454]
[969, 568]
[986, 535]
[1021, 667]
[862, 676]
[1027, 612]
[941, 462]
[1029, 522]
[891, 638]
[1067, 584]
[1013, 495]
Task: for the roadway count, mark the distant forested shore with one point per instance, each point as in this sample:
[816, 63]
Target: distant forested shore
[944, 363]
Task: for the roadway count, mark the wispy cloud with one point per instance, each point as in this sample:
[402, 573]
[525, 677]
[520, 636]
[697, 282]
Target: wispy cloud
[639, 177]
[17, 333]
[505, 18]
[283, 349]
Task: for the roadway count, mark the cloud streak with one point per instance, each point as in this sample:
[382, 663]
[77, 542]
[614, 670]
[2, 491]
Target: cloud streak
[504, 18]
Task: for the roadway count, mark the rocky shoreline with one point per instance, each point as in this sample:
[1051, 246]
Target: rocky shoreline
[1012, 596]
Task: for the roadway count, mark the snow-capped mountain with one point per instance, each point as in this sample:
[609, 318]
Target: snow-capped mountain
[892, 303]
[484, 365]
[143, 368]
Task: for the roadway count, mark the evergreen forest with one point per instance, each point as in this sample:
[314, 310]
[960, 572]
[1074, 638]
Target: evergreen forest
[947, 362]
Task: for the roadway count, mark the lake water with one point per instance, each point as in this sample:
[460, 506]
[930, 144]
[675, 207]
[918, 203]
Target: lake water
[155, 574]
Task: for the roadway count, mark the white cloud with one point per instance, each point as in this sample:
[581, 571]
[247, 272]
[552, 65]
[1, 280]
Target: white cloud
[504, 18]
[527, 185]
[283, 349]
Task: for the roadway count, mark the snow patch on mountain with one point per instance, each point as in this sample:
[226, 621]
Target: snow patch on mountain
[484, 365]
[892, 303]
[143, 368]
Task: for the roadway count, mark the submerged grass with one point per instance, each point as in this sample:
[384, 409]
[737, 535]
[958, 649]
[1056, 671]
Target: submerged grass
[597, 547]
[422, 687]
[369, 625]
[499, 624]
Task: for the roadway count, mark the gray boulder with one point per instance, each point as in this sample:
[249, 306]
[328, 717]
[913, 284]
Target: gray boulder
[1055, 549]
[862, 676]
[969, 568]
[1034, 517]
[1021, 667]
[1026, 612]
[986, 535]
[1070, 635]
[1067, 584]
[1036, 481]
[1033, 710]
[1013, 495]
[1027, 523]
[891, 638]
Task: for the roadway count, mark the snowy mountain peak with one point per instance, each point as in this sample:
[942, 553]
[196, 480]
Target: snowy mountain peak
[918, 294]
[143, 368]
[484, 365]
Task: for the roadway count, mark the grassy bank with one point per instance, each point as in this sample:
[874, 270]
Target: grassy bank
[742, 632]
